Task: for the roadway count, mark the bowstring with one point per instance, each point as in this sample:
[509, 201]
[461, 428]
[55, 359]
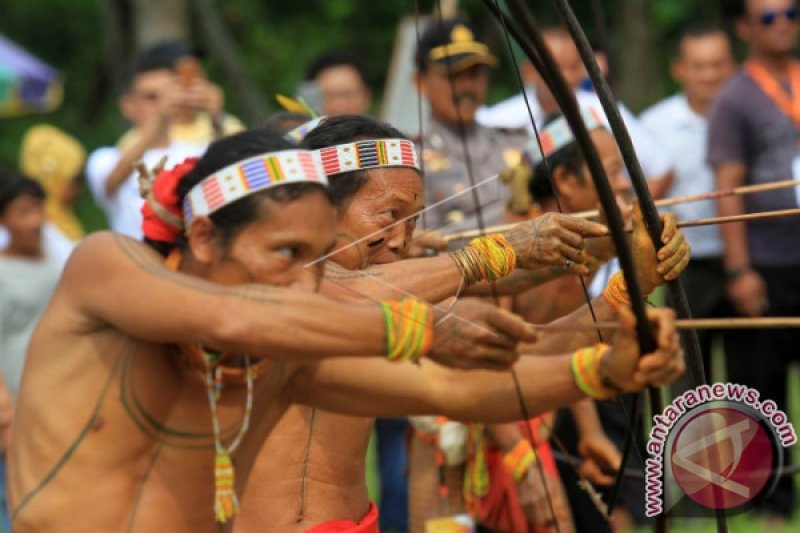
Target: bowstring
[482, 226]
[556, 196]
[421, 132]
[403, 221]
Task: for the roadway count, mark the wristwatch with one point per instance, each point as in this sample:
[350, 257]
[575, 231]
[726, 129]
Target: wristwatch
[734, 273]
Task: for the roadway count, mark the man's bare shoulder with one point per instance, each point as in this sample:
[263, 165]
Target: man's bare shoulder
[107, 245]
[101, 259]
[105, 252]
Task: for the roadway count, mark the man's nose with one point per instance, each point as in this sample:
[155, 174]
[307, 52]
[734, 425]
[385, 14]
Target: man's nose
[307, 279]
[399, 236]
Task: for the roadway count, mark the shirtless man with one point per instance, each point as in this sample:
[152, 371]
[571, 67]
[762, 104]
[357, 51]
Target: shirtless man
[114, 414]
[319, 484]
[563, 180]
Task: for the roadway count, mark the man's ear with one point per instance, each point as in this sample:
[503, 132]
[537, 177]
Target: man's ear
[201, 240]
[565, 182]
[743, 30]
[529, 74]
[676, 70]
[418, 83]
[127, 107]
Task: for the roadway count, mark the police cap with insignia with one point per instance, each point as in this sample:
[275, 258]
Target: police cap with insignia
[452, 44]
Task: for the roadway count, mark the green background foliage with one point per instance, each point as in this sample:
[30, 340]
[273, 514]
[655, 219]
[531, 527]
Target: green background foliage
[276, 40]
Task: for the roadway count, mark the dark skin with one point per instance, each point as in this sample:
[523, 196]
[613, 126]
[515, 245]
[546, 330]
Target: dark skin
[297, 487]
[119, 410]
[454, 94]
[135, 408]
[24, 219]
[565, 295]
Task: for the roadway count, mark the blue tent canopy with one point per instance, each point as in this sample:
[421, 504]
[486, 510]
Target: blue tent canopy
[27, 84]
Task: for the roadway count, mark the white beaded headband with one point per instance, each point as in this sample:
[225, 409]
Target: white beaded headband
[300, 132]
[558, 134]
[250, 176]
[363, 155]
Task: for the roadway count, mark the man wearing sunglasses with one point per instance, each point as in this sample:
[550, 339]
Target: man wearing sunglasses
[754, 137]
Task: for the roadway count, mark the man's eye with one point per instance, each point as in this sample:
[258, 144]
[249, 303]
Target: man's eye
[288, 252]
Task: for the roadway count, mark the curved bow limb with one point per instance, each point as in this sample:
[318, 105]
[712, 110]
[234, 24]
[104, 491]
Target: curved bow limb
[648, 205]
[540, 56]
[651, 217]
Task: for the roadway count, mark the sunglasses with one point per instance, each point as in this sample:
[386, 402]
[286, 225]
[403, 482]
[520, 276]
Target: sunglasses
[768, 18]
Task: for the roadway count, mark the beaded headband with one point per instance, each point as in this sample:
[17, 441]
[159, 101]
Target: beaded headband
[363, 155]
[300, 132]
[250, 176]
[558, 134]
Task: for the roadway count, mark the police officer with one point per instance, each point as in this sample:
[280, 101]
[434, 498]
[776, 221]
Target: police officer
[453, 74]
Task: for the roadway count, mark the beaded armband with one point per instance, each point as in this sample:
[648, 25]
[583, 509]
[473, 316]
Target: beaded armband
[490, 258]
[517, 461]
[409, 329]
[585, 366]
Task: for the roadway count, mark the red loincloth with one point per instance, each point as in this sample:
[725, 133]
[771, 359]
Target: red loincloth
[368, 524]
[500, 509]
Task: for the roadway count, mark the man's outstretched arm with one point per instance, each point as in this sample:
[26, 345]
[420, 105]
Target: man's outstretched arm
[653, 269]
[119, 282]
[541, 247]
[376, 388]
[114, 281]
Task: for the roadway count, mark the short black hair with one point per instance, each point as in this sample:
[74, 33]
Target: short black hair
[338, 58]
[345, 129]
[161, 56]
[736, 9]
[569, 156]
[226, 151]
[14, 185]
[285, 121]
[700, 29]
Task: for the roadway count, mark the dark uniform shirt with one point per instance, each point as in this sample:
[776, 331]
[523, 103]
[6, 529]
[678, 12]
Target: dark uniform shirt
[745, 126]
[490, 152]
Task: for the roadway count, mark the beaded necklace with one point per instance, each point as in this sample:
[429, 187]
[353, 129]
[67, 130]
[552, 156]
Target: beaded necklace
[226, 502]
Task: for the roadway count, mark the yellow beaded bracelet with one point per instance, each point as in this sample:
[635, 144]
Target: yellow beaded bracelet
[616, 292]
[409, 329]
[585, 366]
[517, 461]
[490, 258]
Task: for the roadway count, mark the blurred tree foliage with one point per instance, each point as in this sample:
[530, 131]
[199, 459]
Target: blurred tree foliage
[91, 41]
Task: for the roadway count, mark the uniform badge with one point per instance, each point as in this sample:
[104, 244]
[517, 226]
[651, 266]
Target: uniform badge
[435, 161]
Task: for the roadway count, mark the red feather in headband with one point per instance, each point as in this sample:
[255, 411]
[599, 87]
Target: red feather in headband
[162, 215]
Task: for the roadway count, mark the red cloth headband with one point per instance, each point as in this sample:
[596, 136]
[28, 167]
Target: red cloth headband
[162, 216]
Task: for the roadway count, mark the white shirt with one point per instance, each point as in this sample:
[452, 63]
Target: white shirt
[513, 113]
[26, 286]
[601, 277]
[683, 134]
[123, 209]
